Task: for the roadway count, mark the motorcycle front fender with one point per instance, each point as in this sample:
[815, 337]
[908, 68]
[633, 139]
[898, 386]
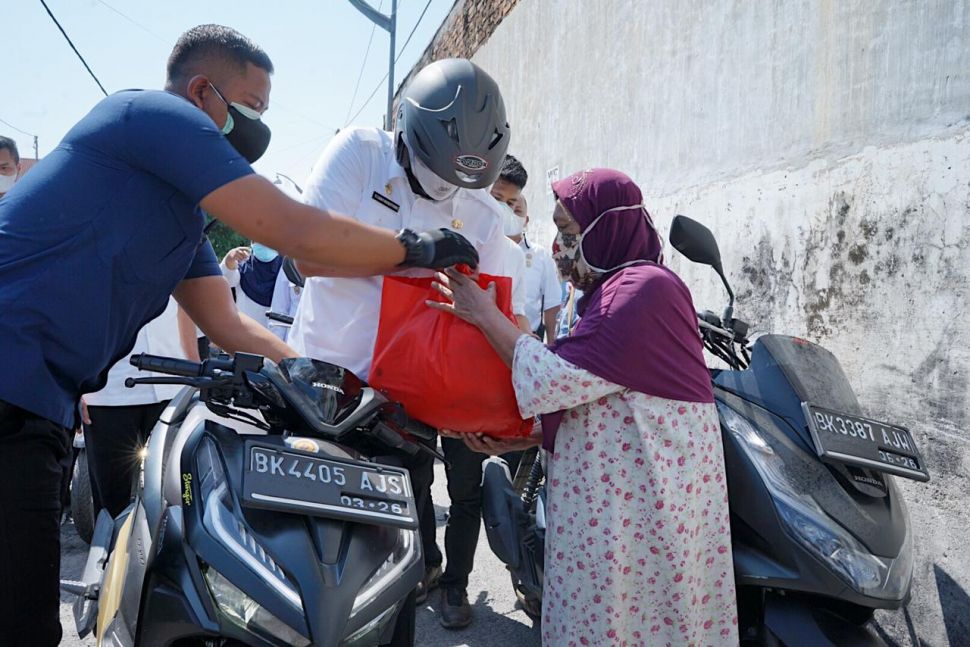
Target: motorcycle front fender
[499, 506]
[796, 621]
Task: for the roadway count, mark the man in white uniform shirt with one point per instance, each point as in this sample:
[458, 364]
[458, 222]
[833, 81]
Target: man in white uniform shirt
[542, 283]
[450, 139]
[286, 298]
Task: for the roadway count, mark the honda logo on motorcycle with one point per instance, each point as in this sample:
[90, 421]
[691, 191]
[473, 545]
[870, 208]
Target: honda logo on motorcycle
[329, 387]
[471, 162]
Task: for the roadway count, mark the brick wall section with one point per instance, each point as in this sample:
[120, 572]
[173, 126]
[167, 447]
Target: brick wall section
[467, 27]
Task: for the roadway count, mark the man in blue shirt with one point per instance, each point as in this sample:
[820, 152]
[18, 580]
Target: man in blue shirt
[100, 233]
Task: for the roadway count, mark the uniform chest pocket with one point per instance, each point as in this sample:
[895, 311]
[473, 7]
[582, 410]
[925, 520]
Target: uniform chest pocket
[161, 244]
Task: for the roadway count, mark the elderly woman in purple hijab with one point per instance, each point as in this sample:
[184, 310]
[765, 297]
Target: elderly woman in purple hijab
[638, 547]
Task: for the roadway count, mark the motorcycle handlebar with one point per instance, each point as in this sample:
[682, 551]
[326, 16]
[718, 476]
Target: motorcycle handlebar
[281, 318]
[168, 365]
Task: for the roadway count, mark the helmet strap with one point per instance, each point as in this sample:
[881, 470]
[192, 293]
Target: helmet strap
[405, 161]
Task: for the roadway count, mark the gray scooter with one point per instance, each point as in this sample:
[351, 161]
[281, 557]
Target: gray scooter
[270, 509]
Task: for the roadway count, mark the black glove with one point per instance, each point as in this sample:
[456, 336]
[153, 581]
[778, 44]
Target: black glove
[437, 249]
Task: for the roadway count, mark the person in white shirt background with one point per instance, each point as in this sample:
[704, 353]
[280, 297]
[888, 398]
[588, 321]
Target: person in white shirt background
[286, 297]
[9, 164]
[448, 145]
[120, 419]
[542, 282]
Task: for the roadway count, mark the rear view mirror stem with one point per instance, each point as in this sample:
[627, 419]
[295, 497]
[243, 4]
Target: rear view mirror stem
[729, 310]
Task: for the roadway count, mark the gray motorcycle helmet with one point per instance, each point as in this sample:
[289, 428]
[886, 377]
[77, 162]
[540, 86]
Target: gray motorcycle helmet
[452, 117]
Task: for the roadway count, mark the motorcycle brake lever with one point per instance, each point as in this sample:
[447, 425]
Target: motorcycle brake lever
[197, 382]
[424, 448]
[395, 436]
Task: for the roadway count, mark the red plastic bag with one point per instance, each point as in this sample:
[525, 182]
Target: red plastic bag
[441, 368]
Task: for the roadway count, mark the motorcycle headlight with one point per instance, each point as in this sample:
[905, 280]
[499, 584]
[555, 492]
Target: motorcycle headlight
[815, 530]
[244, 611]
[220, 519]
[404, 554]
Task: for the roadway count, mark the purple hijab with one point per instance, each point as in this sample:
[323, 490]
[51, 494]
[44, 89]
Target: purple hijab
[638, 327]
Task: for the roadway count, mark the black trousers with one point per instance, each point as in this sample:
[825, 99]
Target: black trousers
[32, 455]
[112, 441]
[421, 469]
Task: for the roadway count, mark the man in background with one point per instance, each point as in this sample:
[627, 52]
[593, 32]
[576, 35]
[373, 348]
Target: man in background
[543, 290]
[9, 164]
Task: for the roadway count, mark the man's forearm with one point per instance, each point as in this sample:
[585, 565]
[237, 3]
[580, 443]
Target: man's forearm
[250, 337]
[309, 269]
[256, 209]
[353, 247]
[187, 336]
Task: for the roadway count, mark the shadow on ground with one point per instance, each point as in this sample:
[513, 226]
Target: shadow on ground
[501, 628]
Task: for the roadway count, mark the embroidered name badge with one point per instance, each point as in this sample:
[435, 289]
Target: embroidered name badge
[390, 204]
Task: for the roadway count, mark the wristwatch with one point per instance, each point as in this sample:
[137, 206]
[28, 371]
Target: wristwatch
[414, 248]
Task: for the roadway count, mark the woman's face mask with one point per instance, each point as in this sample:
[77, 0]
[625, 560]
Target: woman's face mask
[245, 130]
[263, 253]
[570, 262]
[567, 251]
[7, 182]
[436, 188]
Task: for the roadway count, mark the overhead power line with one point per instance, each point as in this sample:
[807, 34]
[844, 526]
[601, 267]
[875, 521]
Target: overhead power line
[396, 59]
[22, 132]
[68, 39]
[413, 29]
[360, 75]
[132, 21]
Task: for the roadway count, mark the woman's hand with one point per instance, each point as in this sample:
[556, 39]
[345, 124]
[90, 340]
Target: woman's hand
[467, 301]
[484, 444]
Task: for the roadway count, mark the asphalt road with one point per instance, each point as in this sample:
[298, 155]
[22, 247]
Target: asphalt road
[497, 619]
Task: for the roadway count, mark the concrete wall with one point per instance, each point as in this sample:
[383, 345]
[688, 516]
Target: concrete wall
[827, 145]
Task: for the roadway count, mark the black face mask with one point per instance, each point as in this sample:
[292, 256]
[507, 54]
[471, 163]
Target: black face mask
[246, 132]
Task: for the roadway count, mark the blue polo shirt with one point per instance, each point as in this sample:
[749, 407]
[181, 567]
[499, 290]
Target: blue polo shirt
[95, 238]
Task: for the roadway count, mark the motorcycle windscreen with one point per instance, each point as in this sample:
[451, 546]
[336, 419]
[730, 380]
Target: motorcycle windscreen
[331, 392]
[813, 373]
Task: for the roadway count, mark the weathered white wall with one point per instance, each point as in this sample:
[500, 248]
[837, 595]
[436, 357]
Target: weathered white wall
[827, 145]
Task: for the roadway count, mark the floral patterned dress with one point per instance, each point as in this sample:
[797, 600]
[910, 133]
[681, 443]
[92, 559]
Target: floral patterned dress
[638, 543]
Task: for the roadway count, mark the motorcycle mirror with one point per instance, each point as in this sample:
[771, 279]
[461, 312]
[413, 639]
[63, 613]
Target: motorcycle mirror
[293, 274]
[695, 241]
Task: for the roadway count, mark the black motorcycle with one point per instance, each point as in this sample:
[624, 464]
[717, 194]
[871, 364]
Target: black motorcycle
[820, 532]
[270, 509]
